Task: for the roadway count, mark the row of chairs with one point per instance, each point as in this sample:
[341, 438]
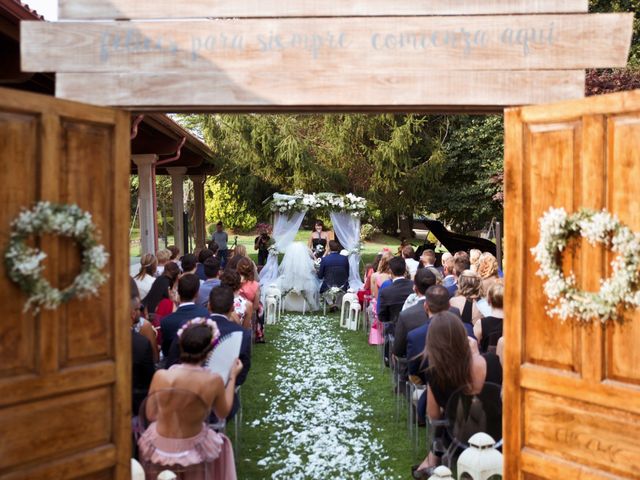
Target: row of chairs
[466, 417]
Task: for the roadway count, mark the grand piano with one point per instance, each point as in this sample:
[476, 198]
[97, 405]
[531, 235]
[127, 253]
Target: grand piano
[453, 242]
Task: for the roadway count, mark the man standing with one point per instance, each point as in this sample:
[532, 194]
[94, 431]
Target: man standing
[221, 239]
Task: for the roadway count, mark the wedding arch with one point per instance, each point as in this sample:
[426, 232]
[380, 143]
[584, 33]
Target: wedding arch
[289, 211]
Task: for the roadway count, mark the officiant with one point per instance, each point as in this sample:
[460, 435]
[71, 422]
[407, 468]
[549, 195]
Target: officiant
[319, 240]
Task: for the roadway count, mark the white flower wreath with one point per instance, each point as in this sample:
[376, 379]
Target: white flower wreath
[618, 291]
[24, 263]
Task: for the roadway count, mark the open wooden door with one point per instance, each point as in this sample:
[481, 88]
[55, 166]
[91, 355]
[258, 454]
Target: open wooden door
[65, 374]
[572, 393]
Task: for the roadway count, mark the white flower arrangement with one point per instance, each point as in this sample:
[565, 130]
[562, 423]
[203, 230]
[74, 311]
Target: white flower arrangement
[617, 292]
[316, 201]
[24, 263]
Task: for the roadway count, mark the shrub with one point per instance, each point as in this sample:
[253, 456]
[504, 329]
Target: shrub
[367, 231]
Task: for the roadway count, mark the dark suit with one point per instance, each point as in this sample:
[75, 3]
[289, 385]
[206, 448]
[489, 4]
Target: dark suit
[334, 272]
[172, 323]
[416, 340]
[409, 319]
[142, 369]
[392, 298]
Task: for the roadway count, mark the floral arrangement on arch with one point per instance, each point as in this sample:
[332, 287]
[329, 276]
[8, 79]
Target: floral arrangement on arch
[621, 290]
[315, 201]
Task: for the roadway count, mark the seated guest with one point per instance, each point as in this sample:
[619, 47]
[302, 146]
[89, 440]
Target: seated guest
[221, 306]
[178, 436]
[202, 256]
[142, 360]
[392, 298]
[428, 260]
[412, 264]
[147, 274]
[175, 255]
[415, 316]
[163, 297]
[240, 252]
[334, 269]
[213, 246]
[467, 295]
[163, 256]
[250, 290]
[242, 308]
[189, 263]
[211, 268]
[447, 268]
[460, 264]
[474, 258]
[452, 365]
[488, 271]
[188, 287]
[436, 301]
[489, 329]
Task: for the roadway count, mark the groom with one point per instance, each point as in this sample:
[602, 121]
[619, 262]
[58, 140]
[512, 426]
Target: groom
[334, 269]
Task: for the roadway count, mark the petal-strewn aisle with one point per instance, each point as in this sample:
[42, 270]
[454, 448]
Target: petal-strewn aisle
[317, 421]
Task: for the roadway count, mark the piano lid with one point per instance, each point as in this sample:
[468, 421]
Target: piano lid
[455, 242]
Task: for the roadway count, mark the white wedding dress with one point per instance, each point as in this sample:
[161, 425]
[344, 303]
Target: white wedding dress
[298, 279]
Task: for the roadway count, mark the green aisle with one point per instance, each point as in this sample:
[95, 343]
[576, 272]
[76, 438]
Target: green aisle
[316, 405]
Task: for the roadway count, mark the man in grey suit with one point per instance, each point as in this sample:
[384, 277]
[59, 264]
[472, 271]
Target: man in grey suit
[414, 316]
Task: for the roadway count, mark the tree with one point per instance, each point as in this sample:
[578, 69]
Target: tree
[222, 204]
[470, 192]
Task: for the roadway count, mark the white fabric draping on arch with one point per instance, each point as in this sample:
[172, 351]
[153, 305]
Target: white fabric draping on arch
[347, 228]
[285, 228]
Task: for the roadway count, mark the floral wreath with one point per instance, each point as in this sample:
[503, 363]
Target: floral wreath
[620, 290]
[215, 332]
[24, 263]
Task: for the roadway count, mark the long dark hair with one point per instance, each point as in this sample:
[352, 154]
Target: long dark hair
[447, 349]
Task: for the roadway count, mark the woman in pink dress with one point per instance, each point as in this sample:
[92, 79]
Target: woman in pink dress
[250, 289]
[382, 274]
[179, 401]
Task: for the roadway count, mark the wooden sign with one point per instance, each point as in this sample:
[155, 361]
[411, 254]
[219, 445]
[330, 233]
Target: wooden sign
[271, 91]
[348, 45]
[394, 61]
[149, 9]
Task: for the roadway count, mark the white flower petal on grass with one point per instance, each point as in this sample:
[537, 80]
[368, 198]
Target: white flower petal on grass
[319, 423]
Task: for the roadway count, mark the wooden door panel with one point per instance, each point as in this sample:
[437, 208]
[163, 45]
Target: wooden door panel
[87, 146]
[572, 392]
[571, 429]
[65, 373]
[18, 137]
[62, 425]
[623, 341]
[555, 146]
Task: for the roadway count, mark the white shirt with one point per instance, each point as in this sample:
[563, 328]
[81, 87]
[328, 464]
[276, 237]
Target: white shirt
[412, 266]
[144, 285]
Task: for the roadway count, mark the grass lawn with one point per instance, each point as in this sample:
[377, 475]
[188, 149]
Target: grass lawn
[378, 398]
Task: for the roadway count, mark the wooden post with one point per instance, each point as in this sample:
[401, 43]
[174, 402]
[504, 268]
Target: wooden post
[147, 211]
[499, 244]
[198, 197]
[177, 196]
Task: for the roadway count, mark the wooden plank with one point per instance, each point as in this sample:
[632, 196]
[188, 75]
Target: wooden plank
[260, 89]
[515, 227]
[341, 45]
[555, 468]
[588, 434]
[140, 9]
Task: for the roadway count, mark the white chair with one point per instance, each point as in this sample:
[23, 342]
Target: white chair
[167, 475]
[347, 300]
[137, 472]
[273, 291]
[481, 460]
[354, 315]
[271, 309]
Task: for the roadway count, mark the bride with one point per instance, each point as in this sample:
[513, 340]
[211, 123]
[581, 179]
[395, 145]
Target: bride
[298, 280]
